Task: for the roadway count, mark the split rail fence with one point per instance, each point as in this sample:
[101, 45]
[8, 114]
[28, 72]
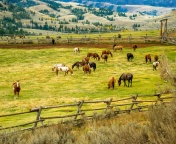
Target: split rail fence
[84, 39]
[89, 110]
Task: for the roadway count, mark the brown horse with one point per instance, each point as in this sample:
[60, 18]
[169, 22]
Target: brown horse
[105, 57]
[111, 83]
[117, 47]
[148, 58]
[134, 47]
[78, 64]
[86, 69]
[156, 58]
[94, 55]
[126, 77]
[16, 89]
[106, 52]
[64, 69]
[85, 59]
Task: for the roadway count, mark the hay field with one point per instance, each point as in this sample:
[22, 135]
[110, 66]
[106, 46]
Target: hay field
[41, 87]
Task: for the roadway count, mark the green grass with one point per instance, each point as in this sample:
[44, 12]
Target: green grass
[41, 87]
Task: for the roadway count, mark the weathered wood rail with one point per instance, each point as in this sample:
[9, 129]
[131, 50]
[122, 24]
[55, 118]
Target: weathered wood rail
[84, 39]
[88, 109]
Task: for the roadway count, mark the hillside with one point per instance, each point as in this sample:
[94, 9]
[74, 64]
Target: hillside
[73, 17]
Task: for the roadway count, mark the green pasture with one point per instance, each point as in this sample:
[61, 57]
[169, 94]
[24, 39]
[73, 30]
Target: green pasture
[41, 87]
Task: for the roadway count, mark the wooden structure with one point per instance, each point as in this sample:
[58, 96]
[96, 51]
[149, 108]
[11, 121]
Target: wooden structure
[86, 110]
[163, 30]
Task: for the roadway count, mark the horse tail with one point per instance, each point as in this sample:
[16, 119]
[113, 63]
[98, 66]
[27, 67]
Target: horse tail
[98, 57]
[111, 54]
[113, 82]
[57, 70]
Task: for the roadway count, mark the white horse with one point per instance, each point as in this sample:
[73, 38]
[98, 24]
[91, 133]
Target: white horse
[57, 65]
[155, 65]
[64, 69]
[76, 50]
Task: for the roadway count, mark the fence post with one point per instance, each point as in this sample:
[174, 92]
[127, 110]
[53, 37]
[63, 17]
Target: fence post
[79, 108]
[38, 117]
[134, 98]
[158, 98]
[108, 105]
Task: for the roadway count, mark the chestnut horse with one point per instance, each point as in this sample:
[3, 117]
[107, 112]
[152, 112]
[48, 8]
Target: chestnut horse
[85, 59]
[64, 69]
[111, 83]
[148, 58]
[134, 47]
[106, 52]
[94, 55]
[117, 47]
[156, 58]
[124, 77]
[86, 69]
[105, 57]
[16, 89]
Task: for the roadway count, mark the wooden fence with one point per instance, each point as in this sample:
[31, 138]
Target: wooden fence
[88, 110]
[84, 39]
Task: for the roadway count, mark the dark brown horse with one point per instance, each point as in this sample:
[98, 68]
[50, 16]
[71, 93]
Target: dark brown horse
[134, 46]
[126, 77]
[78, 64]
[16, 89]
[156, 58]
[111, 83]
[148, 58]
[86, 69]
[105, 57]
[106, 52]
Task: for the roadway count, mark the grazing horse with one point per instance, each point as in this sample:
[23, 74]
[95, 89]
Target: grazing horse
[105, 57]
[156, 58]
[155, 65]
[106, 52]
[124, 77]
[94, 55]
[16, 89]
[78, 64]
[134, 47]
[130, 56]
[93, 65]
[111, 83]
[148, 58]
[85, 59]
[64, 69]
[76, 50]
[86, 69]
[57, 65]
[117, 47]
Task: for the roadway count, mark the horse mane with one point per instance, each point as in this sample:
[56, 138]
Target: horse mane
[121, 77]
[74, 64]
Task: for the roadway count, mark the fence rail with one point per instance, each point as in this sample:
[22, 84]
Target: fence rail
[83, 109]
[84, 39]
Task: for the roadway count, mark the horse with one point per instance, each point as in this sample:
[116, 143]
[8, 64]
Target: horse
[134, 47]
[16, 88]
[85, 59]
[156, 58]
[64, 69]
[130, 56]
[78, 64]
[124, 77]
[93, 65]
[111, 83]
[106, 52]
[105, 57]
[86, 69]
[155, 65]
[76, 50]
[148, 57]
[94, 55]
[117, 47]
[57, 65]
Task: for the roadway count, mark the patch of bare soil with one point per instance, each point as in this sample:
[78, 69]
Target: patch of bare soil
[71, 45]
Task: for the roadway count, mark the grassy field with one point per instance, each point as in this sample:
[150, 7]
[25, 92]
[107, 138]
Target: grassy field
[41, 87]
